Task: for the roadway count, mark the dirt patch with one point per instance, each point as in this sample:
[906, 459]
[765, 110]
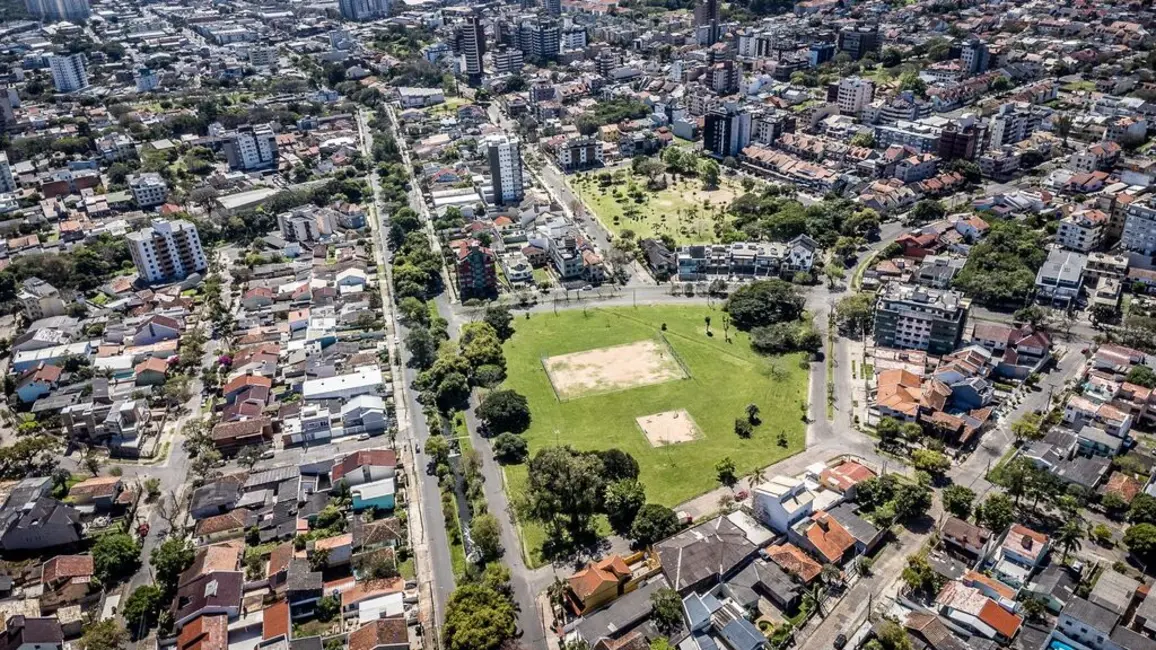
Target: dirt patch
[611, 369]
[669, 428]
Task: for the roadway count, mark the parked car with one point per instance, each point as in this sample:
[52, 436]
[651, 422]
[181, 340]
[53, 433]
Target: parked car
[840, 641]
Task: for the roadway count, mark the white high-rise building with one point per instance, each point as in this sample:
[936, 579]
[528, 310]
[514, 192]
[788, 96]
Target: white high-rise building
[471, 41]
[854, 94]
[7, 182]
[263, 56]
[68, 72]
[252, 147]
[167, 252]
[148, 190]
[146, 80]
[505, 155]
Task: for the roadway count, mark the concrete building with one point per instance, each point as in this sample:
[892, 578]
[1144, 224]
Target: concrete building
[1140, 228]
[508, 60]
[915, 317]
[726, 130]
[1083, 230]
[1061, 277]
[148, 190]
[146, 80]
[168, 251]
[361, 10]
[471, 46]
[960, 139]
[7, 181]
[854, 95]
[579, 153]
[552, 7]
[573, 38]
[975, 56]
[706, 21]
[1013, 123]
[504, 154]
[263, 56]
[308, 224]
[76, 11]
[252, 147]
[476, 272]
[860, 41]
[40, 300]
[69, 73]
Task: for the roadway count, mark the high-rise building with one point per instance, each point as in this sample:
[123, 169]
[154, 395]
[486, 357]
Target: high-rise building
[69, 73]
[726, 130]
[167, 252]
[975, 56]
[915, 317]
[1013, 123]
[9, 100]
[860, 41]
[505, 155]
[361, 10]
[51, 10]
[471, 45]
[476, 271]
[146, 80]
[854, 93]
[508, 60]
[552, 7]
[7, 182]
[573, 38]
[960, 139]
[706, 22]
[148, 190]
[263, 56]
[1139, 234]
[251, 147]
[540, 39]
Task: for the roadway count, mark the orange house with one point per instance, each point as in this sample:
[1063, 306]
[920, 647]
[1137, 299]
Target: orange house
[598, 584]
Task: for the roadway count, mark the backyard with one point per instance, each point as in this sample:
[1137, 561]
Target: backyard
[678, 422]
[684, 210]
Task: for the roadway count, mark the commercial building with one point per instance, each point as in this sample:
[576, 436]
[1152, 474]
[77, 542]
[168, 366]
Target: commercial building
[168, 251]
[860, 41]
[854, 95]
[726, 131]
[915, 317]
[504, 154]
[53, 10]
[471, 46]
[148, 190]
[251, 147]
[7, 181]
[69, 73]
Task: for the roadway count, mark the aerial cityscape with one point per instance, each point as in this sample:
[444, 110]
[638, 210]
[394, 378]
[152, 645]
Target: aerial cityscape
[577, 325]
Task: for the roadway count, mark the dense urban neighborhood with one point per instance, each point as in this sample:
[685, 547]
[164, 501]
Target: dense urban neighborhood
[577, 325]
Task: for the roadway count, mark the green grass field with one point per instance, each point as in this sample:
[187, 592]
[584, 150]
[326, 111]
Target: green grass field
[724, 379]
[684, 210]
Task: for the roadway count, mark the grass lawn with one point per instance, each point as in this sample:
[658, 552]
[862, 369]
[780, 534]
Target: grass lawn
[724, 379]
[684, 210]
[1086, 86]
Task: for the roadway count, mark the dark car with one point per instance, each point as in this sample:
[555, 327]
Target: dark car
[840, 641]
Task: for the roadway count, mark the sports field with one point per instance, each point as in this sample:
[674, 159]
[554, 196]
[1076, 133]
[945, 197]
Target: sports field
[677, 427]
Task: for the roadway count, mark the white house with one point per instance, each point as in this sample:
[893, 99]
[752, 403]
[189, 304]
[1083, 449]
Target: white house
[363, 381]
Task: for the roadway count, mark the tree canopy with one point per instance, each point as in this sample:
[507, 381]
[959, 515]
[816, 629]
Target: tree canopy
[505, 411]
[1001, 270]
[764, 302]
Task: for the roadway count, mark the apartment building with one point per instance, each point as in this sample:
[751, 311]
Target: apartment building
[1013, 123]
[167, 251]
[362, 10]
[1061, 277]
[1083, 230]
[745, 259]
[7, 181]
[54, 10]
[726, 130]
[860, 41]
[854, 94]
[1139, 234]
[148, 190]
[579, 153]
[308, 224]
[476, 271]
[471, 46]
[504, 153]
[251, 147]
[69, 73]
[915, 317]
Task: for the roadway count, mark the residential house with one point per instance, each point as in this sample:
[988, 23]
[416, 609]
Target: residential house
[968, 608]
[965, 538]
[365, 466]
[208, 632]
[1022, 551]
[67, 580]
[151, 372]
[40, 523]
[824, 537]
[795, 562]
[379, 495]
[597, 584]
[781, 502]
[37, 383]
[230, 437]
[1061, 278]
[218, 592]
[33, 633]
[708, 553]
[100, 491]
[390, 633]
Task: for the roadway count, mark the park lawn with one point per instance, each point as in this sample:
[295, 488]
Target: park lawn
[1076, 86]
[724, 379]
[684, 210]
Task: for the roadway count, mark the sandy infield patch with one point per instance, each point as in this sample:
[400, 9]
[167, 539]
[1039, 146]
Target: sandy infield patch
[615, 368]
[669, 428]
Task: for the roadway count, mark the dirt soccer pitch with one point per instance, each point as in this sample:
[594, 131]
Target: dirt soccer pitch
[611, 369]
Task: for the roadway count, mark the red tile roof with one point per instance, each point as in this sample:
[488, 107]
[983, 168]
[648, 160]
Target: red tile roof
[382, 632]
[64, 567]
[376, 457]
[208, 632]
[275, 621]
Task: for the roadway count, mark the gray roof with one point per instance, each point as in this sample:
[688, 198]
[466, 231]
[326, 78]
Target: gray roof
[767, 576]
[1082, 470]
[1062, 266]
[714, 548]
[622, 615]
[1114, 590]
[1126, 638]
[272, 475]
[741, 634]
[861, 529]
[1091, 614]
[1057, 581]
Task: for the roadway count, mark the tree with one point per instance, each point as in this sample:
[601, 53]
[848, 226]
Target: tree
[452, 392]
[510, 448]
[666, 609]
[565, 489]
[920, 576]
[622, 502]
[854, 313]
[478, 618]
[115, 556]
[710, 173]
[911, 81]
[617, 465]
[107, 634]
[997, 513]
[1069, 535]
[911, 501]
[927, 210]
[204, 466]
[726, 472]
[863, 139]
[833, 272]
[422, 347]
[1141, 541]
[1142, 375]
[170, 560]
[327, 607]
[743, 428]
[499, 318]
[958, 500]
[142, 606]
[250, 455]
[438, 449]
[1027, 427]
[505, 411]
[764, 302]
[487, 536]
[932, 462]
[653, 523]
[888, 429]
[1142, 509]
[319, 559]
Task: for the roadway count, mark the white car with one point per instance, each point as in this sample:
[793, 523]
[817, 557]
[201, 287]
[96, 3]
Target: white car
[362, 437]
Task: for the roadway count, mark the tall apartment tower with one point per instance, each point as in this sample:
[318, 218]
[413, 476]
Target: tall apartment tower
[860, 41]
[726, 131]
[361, 10]
[552, 7]
[706, 22]
[854, 94]
[505, 156]
[7, 181]
[69, 73]
[167, 252]
[471, 48]
[252, 147]
[76, 11]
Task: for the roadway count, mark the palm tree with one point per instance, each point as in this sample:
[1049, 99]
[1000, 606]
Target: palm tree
[759, 476]
[1069, 535]
[830, 574]
[556, 593]
[814, 596]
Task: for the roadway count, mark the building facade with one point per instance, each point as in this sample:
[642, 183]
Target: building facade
[69, 73]
[504, 154]
[914, 317]
[726, 131]
[168, 251]
[148, 190]
[252, 147]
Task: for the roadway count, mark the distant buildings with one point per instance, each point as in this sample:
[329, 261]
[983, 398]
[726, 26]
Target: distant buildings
[251, 147]
[76, 11]
[168, 251]
[471, 46]
[860, 41]
[552, 7]
[914, 317]
[146, 80]
[69, 72]
[706, 22]
[1140, 228]
[7, 182]
[504, 154]
[746, 259]
[854, 95]
[360, 10]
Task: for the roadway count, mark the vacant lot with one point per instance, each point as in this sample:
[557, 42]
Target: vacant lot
[684, 210]
[610, 369]
[668, 428]
[724, 378]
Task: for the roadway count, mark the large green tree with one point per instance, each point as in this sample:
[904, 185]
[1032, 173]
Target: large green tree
[565, 489]
[764, 302]
[478, 618]
[505, 410]
[114, 557]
